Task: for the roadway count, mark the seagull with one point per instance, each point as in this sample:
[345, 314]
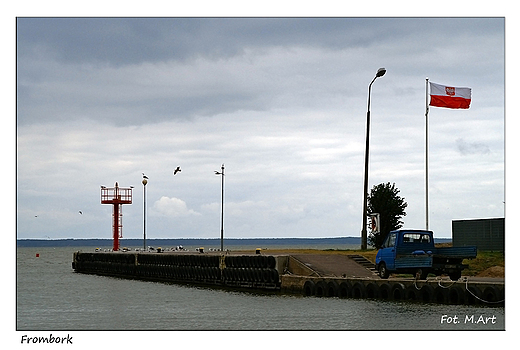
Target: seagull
[177, 170]
[144, 176]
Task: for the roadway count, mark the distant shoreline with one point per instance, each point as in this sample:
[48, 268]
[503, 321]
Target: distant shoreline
[172, 242]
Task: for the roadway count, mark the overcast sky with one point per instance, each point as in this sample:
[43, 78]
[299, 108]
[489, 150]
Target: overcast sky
[281, 102]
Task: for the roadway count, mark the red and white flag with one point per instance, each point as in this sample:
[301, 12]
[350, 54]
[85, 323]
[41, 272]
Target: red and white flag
[449, 96]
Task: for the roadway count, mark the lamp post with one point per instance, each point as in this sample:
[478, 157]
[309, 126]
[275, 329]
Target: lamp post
[221, 173]
[380, 73]
[145, 181]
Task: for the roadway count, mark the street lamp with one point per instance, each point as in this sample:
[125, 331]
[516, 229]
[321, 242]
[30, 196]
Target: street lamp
[144, 182]
[380, 73]
[221, 173]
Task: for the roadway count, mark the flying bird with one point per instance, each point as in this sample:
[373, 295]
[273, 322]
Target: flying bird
[144, 176]
[177, 170]
[80, 212]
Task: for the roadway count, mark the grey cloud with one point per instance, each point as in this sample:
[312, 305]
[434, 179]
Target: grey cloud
[94, 68]
[133, 40]
[120, 41]
[466, 148]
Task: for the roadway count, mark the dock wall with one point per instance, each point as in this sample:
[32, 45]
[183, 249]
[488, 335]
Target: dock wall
[433, 290]
[257, 271]
[284, 274]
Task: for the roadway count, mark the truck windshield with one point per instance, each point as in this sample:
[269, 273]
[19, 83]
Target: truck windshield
[390, 241]
[416, 238]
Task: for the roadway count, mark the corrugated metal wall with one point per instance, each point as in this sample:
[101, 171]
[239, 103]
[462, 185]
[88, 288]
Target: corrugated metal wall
[486, 234]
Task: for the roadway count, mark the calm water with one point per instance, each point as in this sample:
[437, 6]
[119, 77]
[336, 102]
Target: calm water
[50, 296]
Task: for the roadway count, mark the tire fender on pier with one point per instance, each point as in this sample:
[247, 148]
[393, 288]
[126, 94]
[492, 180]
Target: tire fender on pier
[412, 293]
[372, 290]
[456, 295]
[345, 289]
[473, 295]
[491, 295]
[398, 291]
[385, 292]
[321, 288]
[332, 289]
[358, 290]
[440, 295]
[426, 293]
[308, 288]
[271, 262]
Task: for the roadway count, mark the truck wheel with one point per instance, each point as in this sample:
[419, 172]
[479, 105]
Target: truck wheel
[454, 276]
[383, 272]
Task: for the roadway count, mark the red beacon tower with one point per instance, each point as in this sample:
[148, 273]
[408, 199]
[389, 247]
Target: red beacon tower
[117, 196]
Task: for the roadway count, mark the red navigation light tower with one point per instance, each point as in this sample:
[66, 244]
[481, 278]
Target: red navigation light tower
[117, 196]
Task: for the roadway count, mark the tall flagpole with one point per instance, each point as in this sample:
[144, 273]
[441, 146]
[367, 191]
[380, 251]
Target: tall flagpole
[426, 114]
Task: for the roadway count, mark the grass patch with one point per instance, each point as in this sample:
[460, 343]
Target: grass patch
[483, 261]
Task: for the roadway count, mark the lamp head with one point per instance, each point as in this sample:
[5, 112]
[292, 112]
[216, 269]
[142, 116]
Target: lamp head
[380, 72]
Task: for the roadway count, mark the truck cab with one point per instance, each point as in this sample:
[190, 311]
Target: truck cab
[409, 250]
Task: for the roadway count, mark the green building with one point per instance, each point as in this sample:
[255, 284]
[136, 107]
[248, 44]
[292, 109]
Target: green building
[486, 234]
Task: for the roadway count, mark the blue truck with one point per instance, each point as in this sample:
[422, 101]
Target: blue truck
[414, 251]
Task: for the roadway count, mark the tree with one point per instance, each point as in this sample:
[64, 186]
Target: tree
[385, 200]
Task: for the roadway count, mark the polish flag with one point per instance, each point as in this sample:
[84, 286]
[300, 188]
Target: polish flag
[449, 97]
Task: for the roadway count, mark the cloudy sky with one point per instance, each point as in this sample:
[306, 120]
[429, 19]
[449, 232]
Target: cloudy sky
[281, 102]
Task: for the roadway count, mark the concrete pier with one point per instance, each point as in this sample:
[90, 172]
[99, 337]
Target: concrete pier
[237, 271]
[318, 275]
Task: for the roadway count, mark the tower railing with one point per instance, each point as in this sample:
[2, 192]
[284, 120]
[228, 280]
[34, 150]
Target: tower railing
[117, 196]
